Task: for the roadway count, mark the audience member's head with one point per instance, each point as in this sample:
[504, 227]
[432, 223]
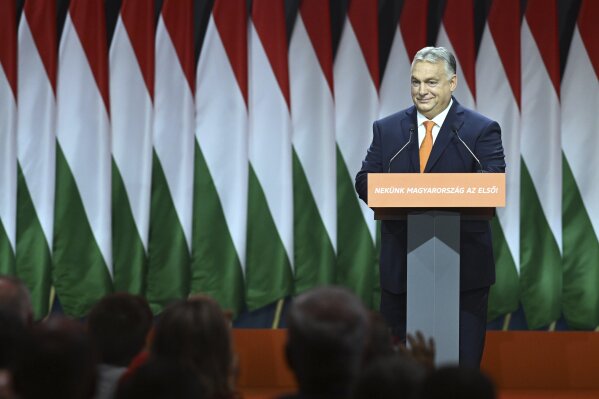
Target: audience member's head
[12, 337]
[388, 377]
[379, 342]
[57, 361]
[196, 333]
[161, 379]
[327, 333]
[15, 297]
[457, 383]
[12, 334]
[118, 326]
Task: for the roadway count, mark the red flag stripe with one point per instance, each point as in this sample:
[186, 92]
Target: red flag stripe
[364, 19]
[316, 15]
[459, 25]
[138, 19]
[89, 22]
[41, 17]
[412, 24]
[178, 20]
[230, 18]
[269, 19]
[504, 25]
[8, 44]
[541, 16]
[589, 30]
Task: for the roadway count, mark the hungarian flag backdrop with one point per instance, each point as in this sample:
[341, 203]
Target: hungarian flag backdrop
[183, 146]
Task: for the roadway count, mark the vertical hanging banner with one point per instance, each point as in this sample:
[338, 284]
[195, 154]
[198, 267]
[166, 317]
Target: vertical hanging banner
[221, 158]
[36, 149]
[580, 119]
[82, 230]
[131, 90]
[498, 84]
[541, 175]
[313, 120]
[409, 37]
[457, 35]
[172, 174]
[8, 126]
[270, 206]
[356, 81]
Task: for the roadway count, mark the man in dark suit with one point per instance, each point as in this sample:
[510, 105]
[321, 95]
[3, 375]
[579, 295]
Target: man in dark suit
[435, 125]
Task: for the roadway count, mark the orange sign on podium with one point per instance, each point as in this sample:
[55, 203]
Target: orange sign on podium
[436, 190]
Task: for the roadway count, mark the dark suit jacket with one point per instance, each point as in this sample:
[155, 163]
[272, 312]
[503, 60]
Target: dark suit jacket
[448, 155]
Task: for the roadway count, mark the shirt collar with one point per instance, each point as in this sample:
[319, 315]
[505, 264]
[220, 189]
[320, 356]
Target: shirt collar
[439, 119]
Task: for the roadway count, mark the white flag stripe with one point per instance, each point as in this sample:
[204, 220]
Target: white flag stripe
[580, 141]
[354, 90]
[174, 127]
[83, 134]
[36, 140]
[395, 86]
[541, 147]
[462, 92]
[8, 159]
[270, 140]
[496, 100]
[222, 133]
[313, 111]
[131, 118]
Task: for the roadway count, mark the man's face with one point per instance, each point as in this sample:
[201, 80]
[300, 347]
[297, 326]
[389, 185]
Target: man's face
[431, 88]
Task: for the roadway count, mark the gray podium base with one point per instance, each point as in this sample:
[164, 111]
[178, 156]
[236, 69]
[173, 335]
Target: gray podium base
[433, 281]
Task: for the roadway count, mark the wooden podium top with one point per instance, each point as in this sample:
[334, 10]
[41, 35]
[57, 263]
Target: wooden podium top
[436, 190]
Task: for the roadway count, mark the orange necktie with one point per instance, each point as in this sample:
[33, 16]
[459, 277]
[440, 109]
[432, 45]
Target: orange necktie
[427, 144]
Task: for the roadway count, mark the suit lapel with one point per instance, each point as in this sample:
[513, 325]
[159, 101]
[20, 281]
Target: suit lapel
[454, 120]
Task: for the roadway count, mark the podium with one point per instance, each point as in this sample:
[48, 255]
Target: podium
[433, 205]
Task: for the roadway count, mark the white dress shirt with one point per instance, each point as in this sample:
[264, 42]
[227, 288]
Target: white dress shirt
[439, 119]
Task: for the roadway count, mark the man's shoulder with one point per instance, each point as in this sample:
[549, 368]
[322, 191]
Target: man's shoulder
[397, 116]
[473, 115]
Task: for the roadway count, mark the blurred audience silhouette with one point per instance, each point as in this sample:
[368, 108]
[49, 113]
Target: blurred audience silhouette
[196, 333]
[56, 361]
[327, 335]
[335, 347]
[118, 326]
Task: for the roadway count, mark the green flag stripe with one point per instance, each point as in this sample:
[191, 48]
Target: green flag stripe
[356, 257]
[215, 268]
[80, 274]
[313, 251]
[7, 256]
[268, 270]
[581, 257]
[504, 295]
[33, 259]
[168, 257]
[540, 260]
[129, 255]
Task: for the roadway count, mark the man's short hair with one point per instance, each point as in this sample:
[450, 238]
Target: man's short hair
[327, 332]
[393, 376]
[118, 325]
[457, 382]
[197, 332]
[437, 54]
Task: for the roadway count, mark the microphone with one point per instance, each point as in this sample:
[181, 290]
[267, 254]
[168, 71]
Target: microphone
[455, 130]
[400, 150]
